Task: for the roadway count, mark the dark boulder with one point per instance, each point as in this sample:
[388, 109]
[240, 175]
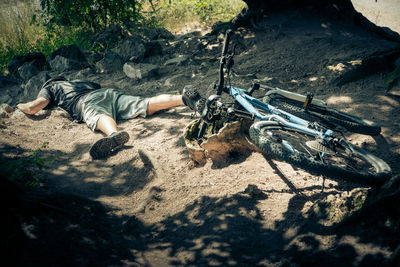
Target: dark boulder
[38, 60]
[111, 62]
[70, 52]
[131, 49]
[6, 81]
[33, 86]
[61, 64]
[157, 34]
[27, 71]
[110, 36]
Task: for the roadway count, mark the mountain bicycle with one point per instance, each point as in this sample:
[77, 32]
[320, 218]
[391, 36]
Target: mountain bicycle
[298, 129]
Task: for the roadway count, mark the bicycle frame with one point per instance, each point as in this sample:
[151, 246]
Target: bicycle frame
[331, 153]
[253, 106]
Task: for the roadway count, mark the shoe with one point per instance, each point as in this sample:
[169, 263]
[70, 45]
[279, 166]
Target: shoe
[192, 98]
[106, 145]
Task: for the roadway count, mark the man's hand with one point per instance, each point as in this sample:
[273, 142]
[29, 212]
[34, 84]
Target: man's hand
[34, 106]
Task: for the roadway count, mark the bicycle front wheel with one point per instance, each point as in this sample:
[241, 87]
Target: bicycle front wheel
[304, 151]
[329, 117]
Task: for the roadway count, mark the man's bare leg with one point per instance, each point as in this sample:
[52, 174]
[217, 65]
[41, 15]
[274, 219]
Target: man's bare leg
[114, 139]
[106, 124]
[162, 102]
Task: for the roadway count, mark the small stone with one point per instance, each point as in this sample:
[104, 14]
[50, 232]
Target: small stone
[252, 190]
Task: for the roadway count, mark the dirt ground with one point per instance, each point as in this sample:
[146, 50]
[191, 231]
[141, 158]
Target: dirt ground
[150, 205]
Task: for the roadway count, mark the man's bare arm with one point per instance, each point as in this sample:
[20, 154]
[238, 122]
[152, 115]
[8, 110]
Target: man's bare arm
[34, 106]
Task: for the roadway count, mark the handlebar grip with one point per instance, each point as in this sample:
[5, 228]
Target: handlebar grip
[228, 35]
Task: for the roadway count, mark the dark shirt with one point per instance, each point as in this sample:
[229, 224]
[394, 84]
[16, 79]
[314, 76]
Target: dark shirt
[68, 95]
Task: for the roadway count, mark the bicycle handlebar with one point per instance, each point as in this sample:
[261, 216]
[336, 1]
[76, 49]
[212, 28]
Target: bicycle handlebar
[226, 42]
[220, 88]
[223, 62]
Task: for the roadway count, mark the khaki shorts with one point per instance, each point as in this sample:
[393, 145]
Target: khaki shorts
[113, 103]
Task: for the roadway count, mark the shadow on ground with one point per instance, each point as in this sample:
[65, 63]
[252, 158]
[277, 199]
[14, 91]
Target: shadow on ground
[45, 228]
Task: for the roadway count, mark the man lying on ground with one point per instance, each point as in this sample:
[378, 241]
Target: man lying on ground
[101, 108]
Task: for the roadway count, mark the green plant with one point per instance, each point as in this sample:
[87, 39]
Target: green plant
[65, 22]
[393, 78]
[28, 170]
[174, 14]
[22, 31]
[93, 14]
[16, 34]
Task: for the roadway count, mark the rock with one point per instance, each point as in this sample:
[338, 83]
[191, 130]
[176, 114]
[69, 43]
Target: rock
[92, 57]
[220, 27]
[111, 62]
[62, 64]
[71, 52]
[336, 207]
[150, 33]
[11, 94]
[83, 74]
[33, 86]
[178, 60]
[153, 48]
[252, 190]
[140, 70]
[131, 49]
[5, 110]
[27, 71]
[110, 36]
[157, 33]
[14, 91]
[5, 98]
[37, 59]
[6, 81]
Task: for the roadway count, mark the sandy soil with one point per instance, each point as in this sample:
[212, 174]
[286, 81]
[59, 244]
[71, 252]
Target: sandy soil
[149, 205]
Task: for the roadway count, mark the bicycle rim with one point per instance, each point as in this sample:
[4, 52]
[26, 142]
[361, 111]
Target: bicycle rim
[305, 152]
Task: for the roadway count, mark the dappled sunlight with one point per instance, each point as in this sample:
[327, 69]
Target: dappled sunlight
[355, 62]
[361, 247]
[212, 46]
[337, 100]
[337, 68]
[341, 67]
[216, 236]
[389, 101]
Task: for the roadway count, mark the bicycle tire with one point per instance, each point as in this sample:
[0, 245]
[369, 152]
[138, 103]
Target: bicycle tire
[260, 134]
[328, 116]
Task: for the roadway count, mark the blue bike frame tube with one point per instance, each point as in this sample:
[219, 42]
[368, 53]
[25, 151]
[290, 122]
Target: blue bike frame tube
[251, 104]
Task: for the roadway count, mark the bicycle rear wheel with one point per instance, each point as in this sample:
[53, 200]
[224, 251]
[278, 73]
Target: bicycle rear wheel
[329, 117]
[304, 151]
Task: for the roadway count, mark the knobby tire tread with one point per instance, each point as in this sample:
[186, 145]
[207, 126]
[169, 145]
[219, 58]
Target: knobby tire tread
[316, 167]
